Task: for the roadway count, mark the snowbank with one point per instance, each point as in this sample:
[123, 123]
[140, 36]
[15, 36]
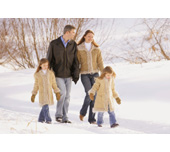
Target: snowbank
[144, 90]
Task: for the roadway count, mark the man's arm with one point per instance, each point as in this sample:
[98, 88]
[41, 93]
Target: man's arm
[75, 66]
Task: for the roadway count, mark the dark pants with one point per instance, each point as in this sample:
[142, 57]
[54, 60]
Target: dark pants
[44, 114]
[88, 81]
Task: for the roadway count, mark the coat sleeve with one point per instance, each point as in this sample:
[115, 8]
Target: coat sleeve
[75, 65]
[115, 94]
[100, 61]
[78, 56]
[36, 87]
[95, 87]
[50, 55]
[54, 84]
[79, 59]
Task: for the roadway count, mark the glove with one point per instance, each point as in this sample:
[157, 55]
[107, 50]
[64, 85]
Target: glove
[33, 98]
[91, 96]
[118, 100]
[58, 96]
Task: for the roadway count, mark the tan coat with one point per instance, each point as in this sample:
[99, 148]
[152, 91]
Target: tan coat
[105, 94]
[90, 61]
[44, 84]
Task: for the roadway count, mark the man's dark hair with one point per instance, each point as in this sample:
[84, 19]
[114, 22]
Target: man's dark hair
[68, 28]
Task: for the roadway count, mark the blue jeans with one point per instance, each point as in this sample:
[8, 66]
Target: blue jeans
[64, 84]
[88, 81]
[44, 114]
[111, 118]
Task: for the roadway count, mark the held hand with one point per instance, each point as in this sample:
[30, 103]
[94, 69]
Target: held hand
[118, 100]
[75, 80]
[33, 98]
[58, 96]
[91, 96]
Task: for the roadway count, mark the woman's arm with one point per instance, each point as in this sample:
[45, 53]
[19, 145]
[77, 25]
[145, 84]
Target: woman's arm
[78, 56]
[100, 61]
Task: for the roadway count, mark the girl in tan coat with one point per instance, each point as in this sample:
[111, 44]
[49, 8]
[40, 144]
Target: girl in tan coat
[105, 88]
[44, 82]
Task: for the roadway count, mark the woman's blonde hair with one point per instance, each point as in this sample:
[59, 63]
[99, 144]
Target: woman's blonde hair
[83, 39]
[42, 61]
[106, 70]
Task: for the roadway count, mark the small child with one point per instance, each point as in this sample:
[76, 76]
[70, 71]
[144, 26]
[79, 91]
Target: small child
[44, 82]
[105, 87]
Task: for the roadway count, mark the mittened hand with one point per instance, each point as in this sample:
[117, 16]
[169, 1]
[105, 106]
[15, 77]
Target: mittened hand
[33, 98]
[58, 96]
[91, 96]
[118, 100]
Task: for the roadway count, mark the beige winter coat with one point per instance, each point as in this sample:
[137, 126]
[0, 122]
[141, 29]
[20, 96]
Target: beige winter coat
[44, 84]
[90, 61]
[105, 94]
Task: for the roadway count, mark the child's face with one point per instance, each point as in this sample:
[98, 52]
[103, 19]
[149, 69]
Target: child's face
[44, 66]
[108, 75]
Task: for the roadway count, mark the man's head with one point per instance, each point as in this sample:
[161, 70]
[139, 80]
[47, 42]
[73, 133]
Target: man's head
[69, 31]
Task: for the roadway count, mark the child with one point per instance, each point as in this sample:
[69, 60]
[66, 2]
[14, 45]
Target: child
[44, 82]
[105, 88]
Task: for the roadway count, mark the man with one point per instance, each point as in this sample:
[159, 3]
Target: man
[62, 55]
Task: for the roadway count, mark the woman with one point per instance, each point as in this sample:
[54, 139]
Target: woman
[91, 62]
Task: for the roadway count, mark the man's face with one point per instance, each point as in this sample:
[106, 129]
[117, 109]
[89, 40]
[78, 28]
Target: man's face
[71, 34]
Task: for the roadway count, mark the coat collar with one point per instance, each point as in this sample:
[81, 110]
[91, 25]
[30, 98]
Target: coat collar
[58, 41]
[42, 73]
[83, 47]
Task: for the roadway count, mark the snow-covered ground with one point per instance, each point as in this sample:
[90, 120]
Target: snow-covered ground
[144, 90]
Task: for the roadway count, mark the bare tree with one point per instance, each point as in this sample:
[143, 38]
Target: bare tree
[149, 43]
[158, 36]
[25, 41]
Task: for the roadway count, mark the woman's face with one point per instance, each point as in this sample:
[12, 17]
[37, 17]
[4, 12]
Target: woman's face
[89, 38]
[44, 66]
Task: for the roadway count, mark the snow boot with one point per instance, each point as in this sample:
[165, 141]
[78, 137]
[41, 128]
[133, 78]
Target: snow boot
[58, 119]
[81, 117]
[114, 125]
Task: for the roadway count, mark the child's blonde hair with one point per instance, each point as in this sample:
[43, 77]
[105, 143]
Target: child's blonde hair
[42, 61]
[106, 70]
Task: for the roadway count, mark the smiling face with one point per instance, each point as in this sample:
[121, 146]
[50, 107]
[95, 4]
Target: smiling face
[108, 75]
[89, 37]
[44, 66]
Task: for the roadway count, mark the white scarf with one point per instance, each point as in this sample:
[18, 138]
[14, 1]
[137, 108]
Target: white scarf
[44, 71]
[88, 46]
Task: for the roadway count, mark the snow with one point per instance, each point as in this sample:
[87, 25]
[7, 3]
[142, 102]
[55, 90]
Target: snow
[144, 90]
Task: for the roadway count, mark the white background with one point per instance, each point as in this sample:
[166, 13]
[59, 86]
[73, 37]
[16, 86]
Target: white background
[86, 8]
